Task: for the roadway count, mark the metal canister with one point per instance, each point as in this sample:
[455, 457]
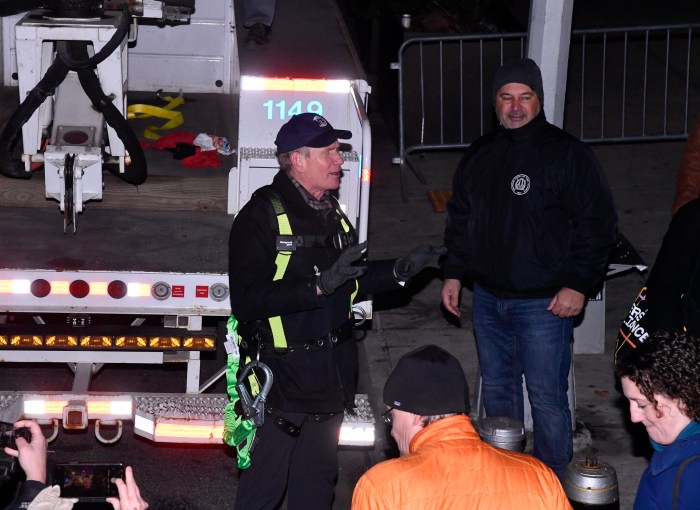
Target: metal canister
[591, 483]
[503, 432]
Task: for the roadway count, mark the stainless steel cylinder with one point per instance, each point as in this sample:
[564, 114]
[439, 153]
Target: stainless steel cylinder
[591, 482]
[503, 432]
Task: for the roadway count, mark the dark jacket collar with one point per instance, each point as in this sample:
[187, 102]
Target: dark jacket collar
[529, 131]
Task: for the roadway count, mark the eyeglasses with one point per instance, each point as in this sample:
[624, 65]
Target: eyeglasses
[386, 415]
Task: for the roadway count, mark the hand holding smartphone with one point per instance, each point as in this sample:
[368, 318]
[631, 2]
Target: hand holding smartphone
[90, 482]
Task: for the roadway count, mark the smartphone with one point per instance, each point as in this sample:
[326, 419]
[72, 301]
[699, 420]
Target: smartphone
[92, 481]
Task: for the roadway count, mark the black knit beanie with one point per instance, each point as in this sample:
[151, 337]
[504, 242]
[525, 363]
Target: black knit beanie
[523, 71]
[428, 381]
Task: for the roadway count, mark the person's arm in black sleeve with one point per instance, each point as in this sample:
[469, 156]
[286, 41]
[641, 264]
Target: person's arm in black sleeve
[593, 220]
[27, 492]
[32, 458]
[673, 269]
[387, 275]
[456, 238]
[458, 211]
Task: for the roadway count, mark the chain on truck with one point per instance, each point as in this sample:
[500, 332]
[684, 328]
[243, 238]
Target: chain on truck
[74, 63]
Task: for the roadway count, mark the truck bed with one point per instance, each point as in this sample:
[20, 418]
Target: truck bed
[110, 240]
[175, 222]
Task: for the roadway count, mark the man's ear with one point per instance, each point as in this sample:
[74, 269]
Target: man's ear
[297, 159]
[417, 420]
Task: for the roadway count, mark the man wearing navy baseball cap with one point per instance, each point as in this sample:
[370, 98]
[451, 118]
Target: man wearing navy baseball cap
[295, 269]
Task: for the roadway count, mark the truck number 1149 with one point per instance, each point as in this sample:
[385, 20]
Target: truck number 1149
[295, 109]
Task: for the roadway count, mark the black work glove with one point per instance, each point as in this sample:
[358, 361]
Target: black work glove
[343, 270]
[409, 266]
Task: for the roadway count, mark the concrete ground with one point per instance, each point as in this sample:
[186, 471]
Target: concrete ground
[642, 178]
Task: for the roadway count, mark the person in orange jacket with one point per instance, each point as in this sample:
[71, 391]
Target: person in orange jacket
[444, 464]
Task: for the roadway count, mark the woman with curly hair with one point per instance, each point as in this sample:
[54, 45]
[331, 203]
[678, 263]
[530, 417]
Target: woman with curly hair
[661, 380]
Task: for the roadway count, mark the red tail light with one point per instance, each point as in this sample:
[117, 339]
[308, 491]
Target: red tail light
[79, 289]
[40, 288]
[117, 289]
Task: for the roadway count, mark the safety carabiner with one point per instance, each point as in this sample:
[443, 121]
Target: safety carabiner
[254, 409]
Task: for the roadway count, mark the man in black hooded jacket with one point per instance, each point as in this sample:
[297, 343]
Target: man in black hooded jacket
[531, 221]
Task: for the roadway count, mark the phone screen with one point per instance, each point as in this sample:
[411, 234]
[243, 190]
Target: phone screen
[88, 481]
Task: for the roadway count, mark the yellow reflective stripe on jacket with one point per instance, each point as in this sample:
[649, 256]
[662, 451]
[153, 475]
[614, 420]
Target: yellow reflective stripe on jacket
[279, 339]
[353, 296]
[343, 223]
[346, 228]
[282, 260]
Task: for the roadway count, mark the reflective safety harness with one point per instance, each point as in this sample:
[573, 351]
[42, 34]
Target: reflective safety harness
[287, 243]
[243, 414]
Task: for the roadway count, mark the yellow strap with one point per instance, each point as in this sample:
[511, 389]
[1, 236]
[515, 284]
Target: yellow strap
[282, 261]
[283, 257]
[354, 294]
[279, 340]
[142, 111]
[346, 228]
[252, 379]
[344, 224]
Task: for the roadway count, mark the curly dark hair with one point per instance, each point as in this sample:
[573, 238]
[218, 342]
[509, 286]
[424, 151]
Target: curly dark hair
[667, 365]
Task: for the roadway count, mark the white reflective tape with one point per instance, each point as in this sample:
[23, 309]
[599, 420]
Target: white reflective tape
[135, 289]
[120, 407]
[252, 83]
[358, 435]
[338, 86]
[34, 407]
[144, 424]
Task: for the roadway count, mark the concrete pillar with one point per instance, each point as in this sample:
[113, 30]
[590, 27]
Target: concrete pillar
[548, 44]
[549, 33]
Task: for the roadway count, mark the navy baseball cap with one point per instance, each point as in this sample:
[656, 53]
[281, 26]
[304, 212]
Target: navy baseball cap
[308, 130]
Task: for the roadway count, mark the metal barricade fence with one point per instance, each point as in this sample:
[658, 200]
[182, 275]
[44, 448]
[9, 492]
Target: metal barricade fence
[629, 84]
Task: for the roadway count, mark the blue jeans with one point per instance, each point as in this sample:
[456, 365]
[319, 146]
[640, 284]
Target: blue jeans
[516, 337]
[258, 11]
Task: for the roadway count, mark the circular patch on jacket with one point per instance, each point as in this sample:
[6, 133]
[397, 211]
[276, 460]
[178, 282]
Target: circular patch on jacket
[520, 184]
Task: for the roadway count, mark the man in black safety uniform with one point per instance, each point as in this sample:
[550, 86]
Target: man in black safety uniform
[295, 311]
